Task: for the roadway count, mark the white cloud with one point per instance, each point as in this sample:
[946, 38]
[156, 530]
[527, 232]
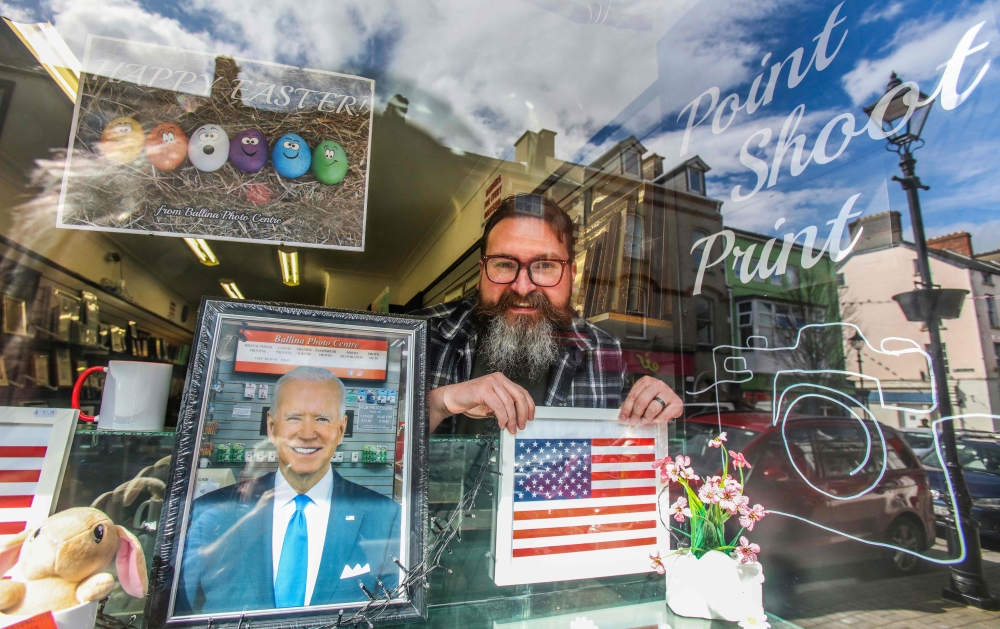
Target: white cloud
[915, 51]
[882, 12]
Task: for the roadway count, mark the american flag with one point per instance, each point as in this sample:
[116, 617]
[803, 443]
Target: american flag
[583, 495]
[22, 452]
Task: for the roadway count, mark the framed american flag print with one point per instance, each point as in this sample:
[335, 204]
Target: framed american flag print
[34, 448]
[578, 498]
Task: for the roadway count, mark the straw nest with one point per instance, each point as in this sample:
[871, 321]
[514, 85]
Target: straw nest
[105, 194]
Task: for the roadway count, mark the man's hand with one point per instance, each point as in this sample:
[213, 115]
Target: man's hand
[492, 395]
[650, 401]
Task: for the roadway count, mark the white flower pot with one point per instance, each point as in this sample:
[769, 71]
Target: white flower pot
[80, 617]
[716, 586]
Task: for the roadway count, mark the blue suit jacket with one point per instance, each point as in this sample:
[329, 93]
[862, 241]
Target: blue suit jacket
[227, 562]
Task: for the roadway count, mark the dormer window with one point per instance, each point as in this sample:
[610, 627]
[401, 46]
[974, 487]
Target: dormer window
[696, 180]
[630, 163]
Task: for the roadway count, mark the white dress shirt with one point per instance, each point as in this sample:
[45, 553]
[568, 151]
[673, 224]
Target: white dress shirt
[317, 518]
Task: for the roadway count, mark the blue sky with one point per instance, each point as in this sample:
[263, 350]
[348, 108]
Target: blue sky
[480, 72]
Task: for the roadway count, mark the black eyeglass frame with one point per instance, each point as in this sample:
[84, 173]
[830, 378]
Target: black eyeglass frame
[522, 265]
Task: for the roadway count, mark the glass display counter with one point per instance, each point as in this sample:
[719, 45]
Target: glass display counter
[124, 474]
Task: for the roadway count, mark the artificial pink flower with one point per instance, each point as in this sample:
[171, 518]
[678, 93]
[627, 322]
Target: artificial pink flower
[747, 551]
[680, 509]
[717, 442]
[711, 491]
[669, 470]
[749, 517]
[683, 461]
[657, 563]
[739, 460]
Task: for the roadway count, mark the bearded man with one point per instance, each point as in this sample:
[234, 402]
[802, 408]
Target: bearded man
[520, 343]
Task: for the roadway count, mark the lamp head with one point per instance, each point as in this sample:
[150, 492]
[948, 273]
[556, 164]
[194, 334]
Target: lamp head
[903, 118]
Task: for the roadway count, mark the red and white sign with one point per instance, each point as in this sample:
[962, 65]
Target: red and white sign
[492, 198]
[280, 352]
[33, 452]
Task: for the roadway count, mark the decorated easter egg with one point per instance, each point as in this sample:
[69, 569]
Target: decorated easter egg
[291, 156]
[208, 148]
[122, 140]
[248, 150]
[329, 163]
[166, 146]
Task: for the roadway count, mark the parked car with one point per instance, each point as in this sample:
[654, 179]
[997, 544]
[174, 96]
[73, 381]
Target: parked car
[829, 453]
[979, 456]
[921, 440]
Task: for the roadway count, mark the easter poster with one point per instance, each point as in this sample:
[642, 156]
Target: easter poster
[190, 144]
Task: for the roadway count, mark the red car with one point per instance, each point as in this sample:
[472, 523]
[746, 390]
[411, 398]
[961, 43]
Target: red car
[832, 455]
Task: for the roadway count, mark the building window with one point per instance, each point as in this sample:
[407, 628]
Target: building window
[792, 276]
[987, 278]
[841, 279]
[696, 180]
[991, 311]
[630, 163]
[703, 315]
[996, 354]
[696, 235]
[744, 320]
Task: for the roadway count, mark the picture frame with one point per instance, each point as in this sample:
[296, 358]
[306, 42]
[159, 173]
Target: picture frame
[605, 522]
[38, 442]
[15, 316]
[373, 530]
[64, 367]
[41, 369]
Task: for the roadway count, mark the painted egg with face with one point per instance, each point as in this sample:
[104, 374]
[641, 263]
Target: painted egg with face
[122, 140]
[291, 156]
[208, 148]
[248, 150]
[166, 146]
[329, 163]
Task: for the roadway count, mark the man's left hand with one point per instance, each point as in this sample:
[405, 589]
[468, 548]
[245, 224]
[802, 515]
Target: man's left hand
[650, 401]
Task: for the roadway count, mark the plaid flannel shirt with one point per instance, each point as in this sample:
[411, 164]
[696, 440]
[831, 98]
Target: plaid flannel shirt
[589, 371]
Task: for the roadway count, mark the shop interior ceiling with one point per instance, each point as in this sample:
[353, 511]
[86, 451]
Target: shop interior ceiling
[414, 180]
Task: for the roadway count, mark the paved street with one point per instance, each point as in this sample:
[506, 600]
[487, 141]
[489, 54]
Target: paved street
[857, 596]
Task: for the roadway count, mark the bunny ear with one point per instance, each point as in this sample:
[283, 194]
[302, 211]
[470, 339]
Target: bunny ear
[131, 564]
[10, 551]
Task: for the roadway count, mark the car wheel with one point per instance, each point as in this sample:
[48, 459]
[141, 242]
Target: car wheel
[903, 533]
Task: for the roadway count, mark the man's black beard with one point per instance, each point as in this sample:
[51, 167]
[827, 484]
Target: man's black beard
[520, 345]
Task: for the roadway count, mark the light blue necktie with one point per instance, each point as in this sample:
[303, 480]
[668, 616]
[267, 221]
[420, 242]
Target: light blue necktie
[290, 586]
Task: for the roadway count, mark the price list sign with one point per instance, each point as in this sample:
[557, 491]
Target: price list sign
[280, 352]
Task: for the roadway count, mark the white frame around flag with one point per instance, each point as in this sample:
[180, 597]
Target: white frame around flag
[569, 423]
[63, 427]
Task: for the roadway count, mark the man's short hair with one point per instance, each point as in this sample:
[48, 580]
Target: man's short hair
[313, 374]
[533, 206]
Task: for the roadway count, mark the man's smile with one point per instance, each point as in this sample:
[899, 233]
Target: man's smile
[305, 451]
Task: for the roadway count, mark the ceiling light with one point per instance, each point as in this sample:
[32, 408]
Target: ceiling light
[52, 53]
[231, 289]
[289, 259]
[201, 249]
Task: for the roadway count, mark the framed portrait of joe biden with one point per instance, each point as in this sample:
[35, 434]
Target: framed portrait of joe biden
[316, 515]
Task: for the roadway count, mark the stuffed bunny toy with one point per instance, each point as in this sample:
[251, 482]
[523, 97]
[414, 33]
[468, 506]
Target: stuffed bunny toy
[61, 561]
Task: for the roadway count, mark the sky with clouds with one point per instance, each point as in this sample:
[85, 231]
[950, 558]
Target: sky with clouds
[478, 73]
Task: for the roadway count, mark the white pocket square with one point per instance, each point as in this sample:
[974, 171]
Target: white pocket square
[355, 571]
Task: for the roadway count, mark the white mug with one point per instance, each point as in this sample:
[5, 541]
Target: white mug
[135, 395]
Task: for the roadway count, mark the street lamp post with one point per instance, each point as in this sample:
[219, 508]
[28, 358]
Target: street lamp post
[902, 121]
[858, 342]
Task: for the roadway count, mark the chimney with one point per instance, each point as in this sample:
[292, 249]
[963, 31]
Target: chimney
[880, 230]
[397, 107]
[652, 166]
[959, 242]
[532, 148]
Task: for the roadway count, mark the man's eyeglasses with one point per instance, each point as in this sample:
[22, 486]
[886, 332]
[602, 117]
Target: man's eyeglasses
[505, 270]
